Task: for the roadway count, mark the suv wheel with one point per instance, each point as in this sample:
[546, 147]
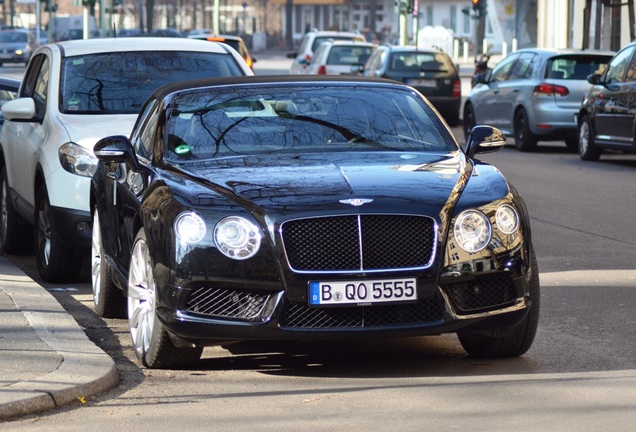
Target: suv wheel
[524, 139]
[16, 235]
[56, 263]
[587, 149]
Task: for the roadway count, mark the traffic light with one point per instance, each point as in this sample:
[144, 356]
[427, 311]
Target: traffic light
[479, 6]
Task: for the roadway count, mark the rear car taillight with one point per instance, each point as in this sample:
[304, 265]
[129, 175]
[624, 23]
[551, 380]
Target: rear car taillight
[457, 88]
[322, 70]
[551, 90]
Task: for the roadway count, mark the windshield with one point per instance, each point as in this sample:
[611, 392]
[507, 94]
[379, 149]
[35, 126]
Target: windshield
[209, 123]
[8, 36]
[119, 83]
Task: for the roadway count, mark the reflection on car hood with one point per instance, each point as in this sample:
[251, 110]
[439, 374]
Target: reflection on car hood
[419, 182]
[86, 130]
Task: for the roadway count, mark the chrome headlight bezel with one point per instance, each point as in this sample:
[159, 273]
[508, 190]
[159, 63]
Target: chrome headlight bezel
[77, 160]
[472, 230]
[237, 237]
[507, 219]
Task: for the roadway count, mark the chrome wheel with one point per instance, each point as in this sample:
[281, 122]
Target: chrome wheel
[44, 233]
[5, 211]
[587, 149]
[141, 298]
[96, 260]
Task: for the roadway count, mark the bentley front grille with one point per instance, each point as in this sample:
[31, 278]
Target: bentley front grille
[481, 295]
[358, 243]
[301, 316]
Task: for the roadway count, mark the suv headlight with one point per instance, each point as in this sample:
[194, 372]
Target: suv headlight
[77, 160]
[472, 230]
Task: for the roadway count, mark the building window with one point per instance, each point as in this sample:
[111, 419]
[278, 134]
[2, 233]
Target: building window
[429, 15]
[453, 18]
[466, 23]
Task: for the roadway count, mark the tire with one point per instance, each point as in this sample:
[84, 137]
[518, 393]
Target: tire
[469, 120]
[587, 149]
[522, 335]
[525, 140]
[16, 234]
[151, 341]
[108, 299]
[56, 263]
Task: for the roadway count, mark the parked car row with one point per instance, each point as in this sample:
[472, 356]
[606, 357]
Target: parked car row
[430, 71]
[585, 98]
[533, 94]
[217, 206]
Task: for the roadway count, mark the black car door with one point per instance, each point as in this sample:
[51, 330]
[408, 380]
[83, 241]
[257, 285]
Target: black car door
[124, 185]
[606, 106]
[626, 103]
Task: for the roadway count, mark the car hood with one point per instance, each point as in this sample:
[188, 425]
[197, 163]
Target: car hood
[417, 183]
[86, 130]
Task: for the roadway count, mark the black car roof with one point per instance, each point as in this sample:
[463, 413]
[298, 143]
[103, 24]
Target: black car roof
[162, 92]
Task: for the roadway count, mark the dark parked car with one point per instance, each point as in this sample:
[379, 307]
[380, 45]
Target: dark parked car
[533, 95]
[17, 46]
[430, 71]
[307, 208]
[607, 119]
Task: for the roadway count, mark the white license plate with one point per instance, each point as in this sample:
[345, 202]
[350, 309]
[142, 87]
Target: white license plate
[362, 293]
[422, 83]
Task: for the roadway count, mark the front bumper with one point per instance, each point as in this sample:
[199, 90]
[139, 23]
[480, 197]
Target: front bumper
[209, 316]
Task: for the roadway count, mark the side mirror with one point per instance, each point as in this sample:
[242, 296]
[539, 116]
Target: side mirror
[116, 148]
[21, 110]
[484, 139]
[594, 79]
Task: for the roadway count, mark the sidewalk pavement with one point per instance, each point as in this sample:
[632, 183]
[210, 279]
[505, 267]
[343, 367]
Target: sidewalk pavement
[46, 359]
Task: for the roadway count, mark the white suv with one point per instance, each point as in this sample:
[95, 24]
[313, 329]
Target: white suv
[74, 93]
[311, 41]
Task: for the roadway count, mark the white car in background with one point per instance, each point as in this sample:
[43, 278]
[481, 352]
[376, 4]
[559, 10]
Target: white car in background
[337, 57]
[74, 93]
[311, 41]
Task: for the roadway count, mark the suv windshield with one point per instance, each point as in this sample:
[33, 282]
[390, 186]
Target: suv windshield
[308, 119]
[119, 83]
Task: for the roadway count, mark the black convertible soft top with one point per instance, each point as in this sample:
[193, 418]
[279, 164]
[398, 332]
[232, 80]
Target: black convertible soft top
[178, 86]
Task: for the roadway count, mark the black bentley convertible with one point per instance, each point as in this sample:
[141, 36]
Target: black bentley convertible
[293, 208]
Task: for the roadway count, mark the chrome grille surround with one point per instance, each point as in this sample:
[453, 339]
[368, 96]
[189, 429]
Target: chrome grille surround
[359, 243]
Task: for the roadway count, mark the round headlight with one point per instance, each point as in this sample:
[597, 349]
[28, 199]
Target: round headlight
[237, 238]
[507, 219]
[472, 230]
[189, 227]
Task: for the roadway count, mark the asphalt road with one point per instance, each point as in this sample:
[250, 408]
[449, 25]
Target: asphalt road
[579, 375]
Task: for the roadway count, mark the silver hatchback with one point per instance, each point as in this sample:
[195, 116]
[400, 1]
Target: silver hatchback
[533, 95]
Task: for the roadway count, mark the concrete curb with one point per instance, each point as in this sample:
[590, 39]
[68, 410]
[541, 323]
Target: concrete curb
[84, 369]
